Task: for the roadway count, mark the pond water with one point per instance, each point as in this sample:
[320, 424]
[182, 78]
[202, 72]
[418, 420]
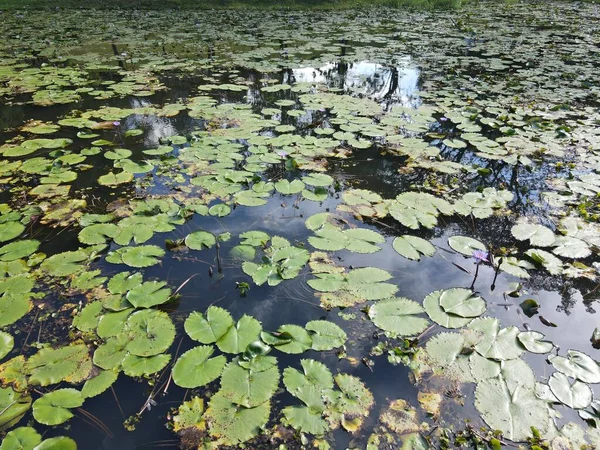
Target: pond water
[360, 229]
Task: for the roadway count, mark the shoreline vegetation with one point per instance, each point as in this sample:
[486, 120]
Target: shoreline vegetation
[321, 5]
[236, 4]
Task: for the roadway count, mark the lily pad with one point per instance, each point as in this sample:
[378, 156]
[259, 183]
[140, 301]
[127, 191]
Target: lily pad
[195, 367]
[54, 407]
[466, 245]
[577, 395]
[412, 247]
[398, 315]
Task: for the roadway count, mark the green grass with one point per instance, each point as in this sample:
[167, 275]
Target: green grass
[227, 4]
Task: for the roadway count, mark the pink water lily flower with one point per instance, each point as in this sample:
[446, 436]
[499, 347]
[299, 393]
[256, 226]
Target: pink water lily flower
[481, 256]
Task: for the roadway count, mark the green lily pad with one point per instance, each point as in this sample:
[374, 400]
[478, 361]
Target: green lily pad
[248, 388]
[412, 247]
[291, 339]
[22, 438]
[462, 302]
[199, 240]
[577, 395]
[431, 304]
[142, 256]
[14, 406]
[195, 367]
[50, 366]
[100, 383]
[57, 443]
[10, 230]
[465, 245]
[18, 249]
[149, 294]
[232, 423]
[54, 407]
[137, 366]
[398, 315]
[577, 365]
[6, 344]
[150, 332]
[325, 335]
[534, 343]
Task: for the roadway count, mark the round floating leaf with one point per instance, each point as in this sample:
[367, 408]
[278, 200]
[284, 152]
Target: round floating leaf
[13, 405]
[318, 179]
[577, 395]
[115, 179]
[366, 283]
[150, 332]
[329, 239]
[306, 420]
[195, 368]
[247, 388]
[240, 335]
[243, 252]
[316, 376]
[6, 343]
[550, 262]
[254, 238]
[325, 335]
[123, 282]
[233, 424]
[13, 307]
[109, 355]
[87, 319]
[538, 235]
[513, 413]
[577, 365]
[18, 249]
[439, 316]
[190, 414]
[100, 383]
[316, 221]
[465, 245]
[50, 366]
[57, 443]
[211, 328]
[287, 188]
[53, 408]
[113, 323]
[571, 247]
[66, 263]
[455, 143]
[289, 339]
[199, 240]
[398, 315]
[462, 302]
[220, 210]
[250, 198]
[534, 343]
[142, 256]
[137, 366]
[356, 399]
[148, 294]
[496, 343]
[318, 195]
[362, 240]
[483, 368]
[412, 247]
[22, 438]
[98, 233]
[10, 230]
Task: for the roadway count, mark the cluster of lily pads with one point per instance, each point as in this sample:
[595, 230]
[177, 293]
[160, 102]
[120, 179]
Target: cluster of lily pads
[137, 174]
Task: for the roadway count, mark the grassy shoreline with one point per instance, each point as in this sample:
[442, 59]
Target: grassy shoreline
[228, 4]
